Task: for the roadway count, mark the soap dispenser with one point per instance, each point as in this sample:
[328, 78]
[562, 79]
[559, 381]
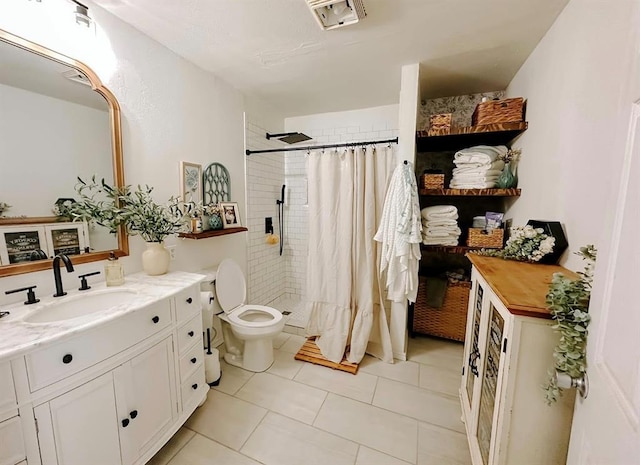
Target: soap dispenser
[113, 271]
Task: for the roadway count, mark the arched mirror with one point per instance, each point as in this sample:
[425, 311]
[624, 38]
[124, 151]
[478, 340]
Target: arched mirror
[57, 122]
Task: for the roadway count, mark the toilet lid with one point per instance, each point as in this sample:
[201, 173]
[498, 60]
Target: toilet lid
[231, 288]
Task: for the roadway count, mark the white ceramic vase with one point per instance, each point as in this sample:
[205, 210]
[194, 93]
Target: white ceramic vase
[155, 260]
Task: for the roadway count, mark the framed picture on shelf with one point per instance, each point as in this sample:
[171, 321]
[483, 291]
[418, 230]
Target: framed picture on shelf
[190, 182]
[230, 215]
[67, 238]
[22, 243]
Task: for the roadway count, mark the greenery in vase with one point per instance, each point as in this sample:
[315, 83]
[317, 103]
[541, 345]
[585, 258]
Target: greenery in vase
[4, 206]
[568, 302]
[111, 207]
[526, 244]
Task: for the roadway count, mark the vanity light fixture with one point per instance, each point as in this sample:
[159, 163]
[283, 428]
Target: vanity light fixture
[82, 14]
[332, 14]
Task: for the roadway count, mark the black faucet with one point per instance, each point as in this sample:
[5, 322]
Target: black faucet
[56, 272]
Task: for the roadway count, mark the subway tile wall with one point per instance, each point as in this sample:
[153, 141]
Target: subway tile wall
[265, 177]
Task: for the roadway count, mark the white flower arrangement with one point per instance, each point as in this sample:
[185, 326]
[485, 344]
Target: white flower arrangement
[526, 243]
[512, 155]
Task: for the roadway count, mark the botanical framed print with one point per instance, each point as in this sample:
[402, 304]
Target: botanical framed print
[190, 182]
[20, 244]
[67, 238]
[230, 215]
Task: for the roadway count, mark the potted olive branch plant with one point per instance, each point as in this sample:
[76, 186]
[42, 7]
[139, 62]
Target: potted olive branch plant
[568, 302]
[136, 210]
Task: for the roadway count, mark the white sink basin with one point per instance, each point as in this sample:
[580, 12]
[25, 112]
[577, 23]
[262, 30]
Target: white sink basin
[81, 305]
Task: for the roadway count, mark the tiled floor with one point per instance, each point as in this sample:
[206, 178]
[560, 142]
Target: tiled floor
[296, 413]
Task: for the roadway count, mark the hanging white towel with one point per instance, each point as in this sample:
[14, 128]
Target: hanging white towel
[400, 234]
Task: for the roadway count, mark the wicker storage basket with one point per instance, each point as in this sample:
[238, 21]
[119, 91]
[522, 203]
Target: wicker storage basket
[449, 321]
[481, 238]
[432, 181]
[498, 111]
[439, 124]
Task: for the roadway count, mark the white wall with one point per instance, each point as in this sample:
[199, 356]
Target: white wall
[265, 177]
[572, 151]
[171, 111]
[326, 128]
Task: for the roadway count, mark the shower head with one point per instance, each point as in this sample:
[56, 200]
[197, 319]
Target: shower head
[289, 137]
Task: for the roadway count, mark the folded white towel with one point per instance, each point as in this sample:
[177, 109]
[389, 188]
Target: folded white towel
[475, 173]
[473, 167]
[480, 154]
[440, 212]
[442, 231]
[473, 185]
[443, 222]
[439, 241]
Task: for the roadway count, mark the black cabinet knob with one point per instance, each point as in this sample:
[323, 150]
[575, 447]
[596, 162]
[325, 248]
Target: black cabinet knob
[189, 300]
[194, 360]
[125, 422]
[67, 359]
[190, 333]
[155, 319]
[133, 414]
[194, 386]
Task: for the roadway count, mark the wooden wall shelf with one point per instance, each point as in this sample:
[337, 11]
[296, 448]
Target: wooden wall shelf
[211, 233]
[459, 138]
[472, 192]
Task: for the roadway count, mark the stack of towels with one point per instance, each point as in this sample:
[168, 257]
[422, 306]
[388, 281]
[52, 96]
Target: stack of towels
[477, 167]
[440, 225]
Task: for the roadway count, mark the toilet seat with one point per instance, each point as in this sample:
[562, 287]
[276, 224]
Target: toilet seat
[231, 291]
[235, 316]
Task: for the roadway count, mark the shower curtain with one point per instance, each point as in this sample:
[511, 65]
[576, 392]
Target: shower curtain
[346, 196]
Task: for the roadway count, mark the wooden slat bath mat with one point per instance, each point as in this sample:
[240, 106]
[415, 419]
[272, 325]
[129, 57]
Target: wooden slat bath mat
[310, 352]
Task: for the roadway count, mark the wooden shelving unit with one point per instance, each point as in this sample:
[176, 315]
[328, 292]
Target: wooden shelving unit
[472, 192]
[211, 233]
[458, 138]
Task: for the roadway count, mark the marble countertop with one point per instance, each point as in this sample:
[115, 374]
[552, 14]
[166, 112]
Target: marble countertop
[18, 336]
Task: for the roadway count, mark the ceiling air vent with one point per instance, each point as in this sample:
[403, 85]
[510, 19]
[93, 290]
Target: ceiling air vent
[331, 14]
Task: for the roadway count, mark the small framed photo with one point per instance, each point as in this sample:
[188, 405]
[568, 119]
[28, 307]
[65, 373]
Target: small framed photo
[190, 182]
[230, 215]
[22, 243]
[67, 238]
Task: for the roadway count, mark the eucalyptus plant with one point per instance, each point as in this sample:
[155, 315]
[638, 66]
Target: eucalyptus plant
[568, 302]
[111, 206]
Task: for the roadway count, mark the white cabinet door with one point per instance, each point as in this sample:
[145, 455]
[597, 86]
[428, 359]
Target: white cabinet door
[81, 426]
[146, 399]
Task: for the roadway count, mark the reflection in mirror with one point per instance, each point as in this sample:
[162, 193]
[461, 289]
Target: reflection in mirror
[54, 128]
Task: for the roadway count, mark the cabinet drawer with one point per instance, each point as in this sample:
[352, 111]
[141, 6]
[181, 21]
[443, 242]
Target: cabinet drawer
[58, 361]
[193, 387]
[11, 442]
[8, 403]
[188, 303]
[190, 360]
[189, 332]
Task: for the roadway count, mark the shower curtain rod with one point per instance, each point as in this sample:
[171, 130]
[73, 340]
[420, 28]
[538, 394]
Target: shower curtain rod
[329, 146]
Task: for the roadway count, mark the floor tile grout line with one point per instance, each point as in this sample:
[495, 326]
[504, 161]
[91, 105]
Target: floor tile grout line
[183, 446]
[253, 431]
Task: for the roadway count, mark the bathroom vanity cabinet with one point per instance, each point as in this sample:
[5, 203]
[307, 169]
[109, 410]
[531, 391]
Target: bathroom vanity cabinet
[508, 353]
[112, 394]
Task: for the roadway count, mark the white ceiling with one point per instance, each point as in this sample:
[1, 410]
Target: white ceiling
[274, 50]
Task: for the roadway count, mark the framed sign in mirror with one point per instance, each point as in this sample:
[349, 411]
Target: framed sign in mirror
[72, 129]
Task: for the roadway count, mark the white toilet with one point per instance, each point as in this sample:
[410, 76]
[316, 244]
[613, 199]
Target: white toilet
[248, 330]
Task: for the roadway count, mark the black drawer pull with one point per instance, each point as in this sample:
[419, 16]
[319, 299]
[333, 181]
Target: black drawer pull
[190, 333]
[125, 422]
[67, 359]
[194, 360]
[189, 300]
[155, 319]
[194, 386]
[133, 414]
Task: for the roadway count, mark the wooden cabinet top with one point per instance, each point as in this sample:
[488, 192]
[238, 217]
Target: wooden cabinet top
[522, 287]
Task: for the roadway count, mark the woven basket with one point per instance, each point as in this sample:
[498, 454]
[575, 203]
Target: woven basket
[449, 321]
[481, 238]
[439, 124]
[432, 181]
[498, 111]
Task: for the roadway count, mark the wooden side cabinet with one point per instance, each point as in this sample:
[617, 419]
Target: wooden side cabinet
[507, 356]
